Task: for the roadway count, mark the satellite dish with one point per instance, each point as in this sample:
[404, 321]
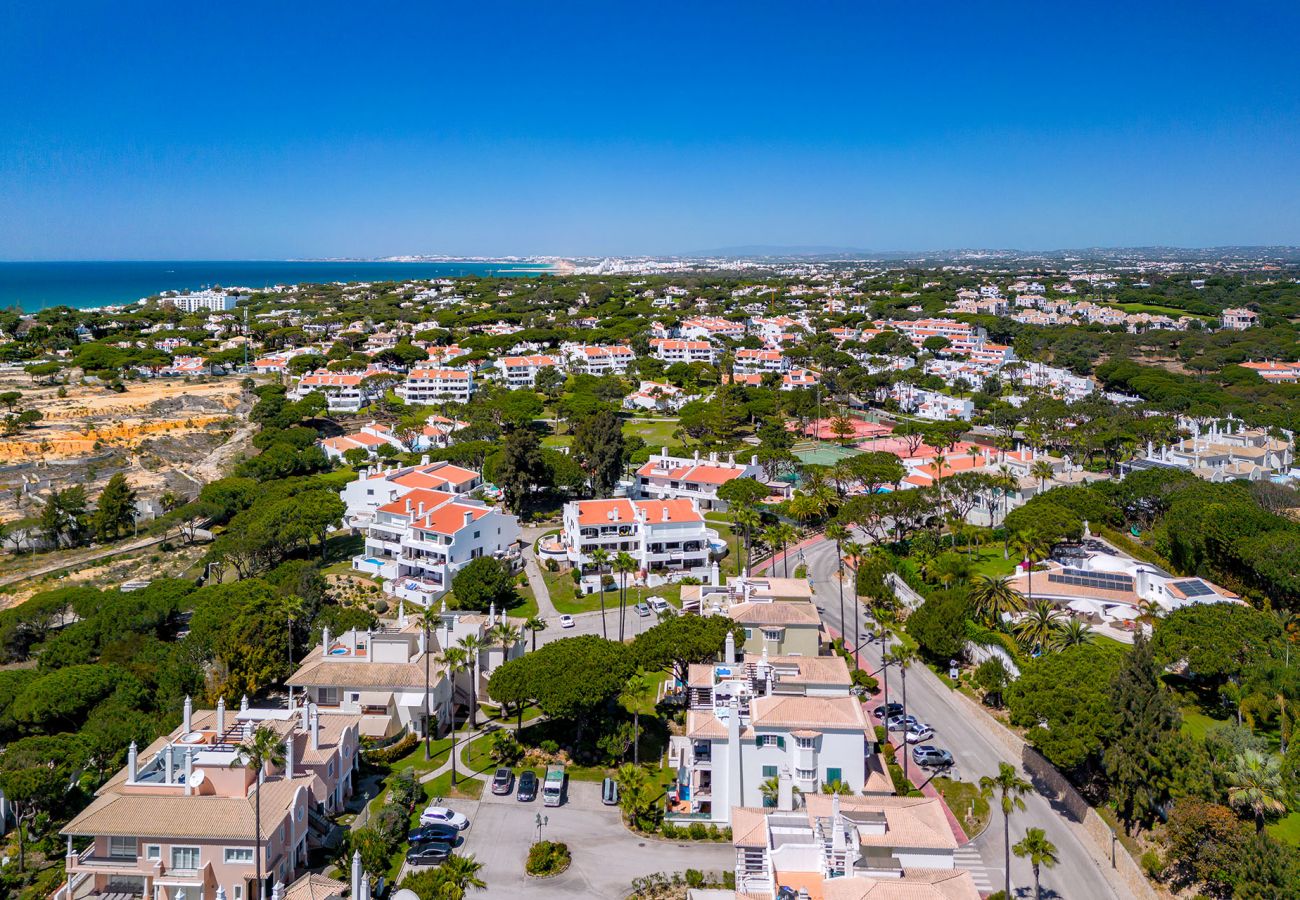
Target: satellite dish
[196, 778]
[405, 894]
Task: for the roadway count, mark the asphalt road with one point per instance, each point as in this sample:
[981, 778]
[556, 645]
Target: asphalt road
[1077, 875]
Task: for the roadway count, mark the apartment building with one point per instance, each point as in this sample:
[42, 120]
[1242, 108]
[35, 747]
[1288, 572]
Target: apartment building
[379, 485]
[751, 718]
[205, 301]
[655, 396]
[177, 823]
[344, 392]
[1238, 319]
[1222, 453]
[418, 542]
[680, 477]
[849, 848]
[659, 534]
[377, 676]
[710, 328]
[521, 371]
[684, 351]
[428, 385]
[748, 361]
[369, 438]
[612, 360]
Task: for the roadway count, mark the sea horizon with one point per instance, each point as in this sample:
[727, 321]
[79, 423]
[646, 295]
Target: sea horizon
[33, 285]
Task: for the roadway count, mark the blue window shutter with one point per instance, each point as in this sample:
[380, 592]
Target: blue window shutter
[780, 743]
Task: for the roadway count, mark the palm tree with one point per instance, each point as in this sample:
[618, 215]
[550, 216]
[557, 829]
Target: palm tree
[839, 534]
[1149, 611]
[505, 634]
[1072, 633]
[455, 661]
[1038, 626]
[458, 873]
[786, 534]
[633, 787]
[600, 557]
[747, 517]
[1005, 482]
[624, 565]
[1010, 789]
[1032, 548]
[472, 644]
[903, 656]
[805, 506]
[535, 624]
[1041, 852]
[1255, 785]
[1043, 471]
[425, 619]
[991, 597]
[885, 625]
[771, 790]
[639, 688]
[262, 750]
[854, 551]
[836, 787]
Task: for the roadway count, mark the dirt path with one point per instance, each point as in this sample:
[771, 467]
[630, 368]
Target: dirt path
[79, 560]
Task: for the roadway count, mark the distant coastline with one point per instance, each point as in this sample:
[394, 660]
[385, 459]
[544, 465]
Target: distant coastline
[39, 285]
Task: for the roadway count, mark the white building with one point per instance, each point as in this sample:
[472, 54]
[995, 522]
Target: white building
[419, 542]
[757, 362]
[378, 486]
[425, 386]
[209, 301]
[682, 477]
[521, 371]
[674, 351]
[612, 360]
[1239, 319]
[752, 718]
[344, 392]
[659, 534]
[655, 396]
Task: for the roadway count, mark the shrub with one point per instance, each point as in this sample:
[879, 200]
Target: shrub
[394, 751]
[697, 831]
[1151, 864]
[549, 746]
[381, 606]
[669, 830]
[552, 566]
[863, 680]
[694, 878]
[548, 858]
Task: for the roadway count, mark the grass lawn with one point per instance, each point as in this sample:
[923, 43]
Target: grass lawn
[557, 440]
[1197, 724]
[655, 434]
[438, 751]
[1154, 309]
[1286, 830]
[964, 799]
[988, 561]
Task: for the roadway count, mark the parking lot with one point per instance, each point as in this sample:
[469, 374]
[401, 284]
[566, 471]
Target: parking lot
[606, 856]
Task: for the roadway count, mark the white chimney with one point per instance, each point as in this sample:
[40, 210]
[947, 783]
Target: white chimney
[419, 510]
[315, 727]
[325, 641]
[243, 704]
[132, 763]
[408, 504]
[729, 649]
[356, 875]
[288, 755]
[221, 893]
[277, 892]
[221, 716]
[187, 715]
[170, 758]
[189, 770]
[469, 517]
[305, 713]
[424, 459]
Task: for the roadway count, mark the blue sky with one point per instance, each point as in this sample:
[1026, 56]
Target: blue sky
[260, 130]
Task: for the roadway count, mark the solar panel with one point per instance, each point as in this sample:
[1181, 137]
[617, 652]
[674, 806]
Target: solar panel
[1104, 581]
[1194, 588]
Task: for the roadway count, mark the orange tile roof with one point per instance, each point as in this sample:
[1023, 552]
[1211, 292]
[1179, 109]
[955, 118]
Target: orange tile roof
[450, 518]
[430, 499]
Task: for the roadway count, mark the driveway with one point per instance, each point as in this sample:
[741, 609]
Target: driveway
[606, 856]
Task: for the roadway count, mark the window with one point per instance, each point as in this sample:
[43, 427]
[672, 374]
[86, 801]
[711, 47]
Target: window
[749, 633]
[238, 893]
[770, 740]
[327, 696]
[186, 858]
[153, 851]
[354, 697]
[771, 634]
[805, 774]
[834, 775]
[805, 743]
[123, 847]
[239, 855]
[769, 771]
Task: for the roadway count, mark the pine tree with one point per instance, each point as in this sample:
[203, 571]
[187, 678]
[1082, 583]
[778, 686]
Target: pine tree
[113, 512]
[1140, 761]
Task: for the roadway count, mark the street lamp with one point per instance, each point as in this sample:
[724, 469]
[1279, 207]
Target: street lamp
[541, 821]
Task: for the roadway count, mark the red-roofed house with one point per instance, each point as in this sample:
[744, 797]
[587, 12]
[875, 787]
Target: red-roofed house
[375, 487]
[659, 534]
[431, 385]
[665, 476]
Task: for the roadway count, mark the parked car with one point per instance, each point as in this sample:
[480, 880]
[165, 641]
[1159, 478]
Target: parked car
[642, 610]
[441, 815]
[430, 854]
[917, 732]
[503, 781]
[426, 833]
[527, 792]
[566, 621]
[931, 756]
[609, 792]
[901, 723]
[887, 710]
[658, 604]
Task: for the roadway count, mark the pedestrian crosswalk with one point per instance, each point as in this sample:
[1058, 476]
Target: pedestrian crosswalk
[968, 858]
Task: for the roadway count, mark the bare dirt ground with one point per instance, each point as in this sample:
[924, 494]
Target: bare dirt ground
[144, 564]
[164, 435]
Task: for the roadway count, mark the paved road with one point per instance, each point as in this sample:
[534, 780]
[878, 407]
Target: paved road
[606, 856]
[1077, 875]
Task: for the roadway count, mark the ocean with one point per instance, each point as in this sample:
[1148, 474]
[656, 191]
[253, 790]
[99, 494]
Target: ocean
[38, 285]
